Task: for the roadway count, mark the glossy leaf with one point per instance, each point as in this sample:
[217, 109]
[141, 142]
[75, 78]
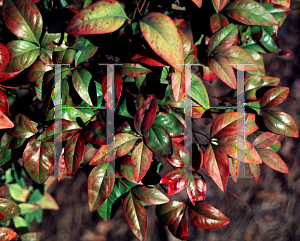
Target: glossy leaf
[255, 171]
[36, 71]
[273, 160]
[65, 56]
[50, 38]
[150, 196]
[99, 18]
[124, 142]
[159, 141]
[10, 142]
[24, 127]
[236, 55]
[223, 39]
[135, 216]
[250, 13]
[8, 209]
[221, 68]
[81, 80]
[265, 140]
[126, 170]
[86, 52]
[38, 159]
[118, 85]
[161, 34]
[276, 146]
[174, 127]
[4, 58]
[95, 133]
[22, 55]
[199, 92]
[217, 165]
[218, 21]
[99, 185]
[133, 69]
[196, 188]
[27, 21]
[141, 159]
[207, 217]
[145, 116]
[4, 107]
[280, 123]
[174, 181]
[179, 228]
[237, 146]
[278, 10]
[168, 212]
[6, 234]
[74, 151]
[180, 156]
[274, 96]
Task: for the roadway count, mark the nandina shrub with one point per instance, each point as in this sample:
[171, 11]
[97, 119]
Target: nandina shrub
[151, 100]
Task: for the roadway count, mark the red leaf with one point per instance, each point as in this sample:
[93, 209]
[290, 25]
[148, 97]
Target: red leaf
[95, 133]
[218, 21]
[196, 188]
[6, 234]
[220, 4]
[217, 165]
[7, 76]
[168, 212]
[234, 168]
[135, 216]
[133, 69]
[198, 3]
[36, 71]
[208, 75]
[4, 58]
[150, 196]
[144, 118]
[179, 23]
[273, 160]
[149, 57]
[174, 181]
[274, 96]
[265, 140]
[24, 127]
[207, 217]
[74, 151]
[180, 156]
[4, 107]
[179, 228]
[118, 85]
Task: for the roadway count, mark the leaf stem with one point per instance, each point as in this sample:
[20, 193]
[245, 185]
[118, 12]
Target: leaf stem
[124, 184]
[97, 112]
[213, 3]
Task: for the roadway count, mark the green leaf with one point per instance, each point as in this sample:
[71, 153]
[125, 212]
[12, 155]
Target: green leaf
[38, 214]
[133, 69]
[5, 156]
[250, 12]
[31, 237]
[8, 209]
[274, 96]
[27, 208]
[275, 147]
[280, 123]
[23, 18]
[218, 21]
[22, 55]
[161, 34]
[174, 127]
[21, 224]
[36, 71]
[199, 92]
[81, 80]
[71, 114]
[270, 40]
[85, 53]
[98, 18]
[65, 56]
[24, 127]
[18, 193]
[47, 202]
[150, 196]
[49, 38]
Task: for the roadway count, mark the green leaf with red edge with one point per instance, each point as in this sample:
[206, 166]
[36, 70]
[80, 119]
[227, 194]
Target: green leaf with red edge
[192, 55]
[124, 142]
[36, 71]
[280, 123]
[207, 217]
[274, 96]
[99, 185]
[199, 92]
[273, 160]
[174, 181]
[255, 171]
[151, 196]
[159, 141]
[234, 168]
[22, 55]
[179, 23]
[10, 75]
[139, 101]
[217, 165]
[31, 236]
[269, 39]
[24, 127]
[161, 34]
[133, 69]
[278, 11]
[236, 146]
[217, 21]
[74, 151]
[255, 82]
[68, 129]
[220, 4]
[149, 57]
[136, 216]
[168, 212]
[222, 39]
[4, 58]
[275, 147]
[81, 79]
[4, 106]
[50, 38]
[259, 60]
[179, 228]
[219, 65]
[95, 133]
[174, 127]
[8, 209]
[186, 42]
[141, 159]
[99, 18]
[178, 85]
[145, 116]
[250, 12]
[265, 140]
[198, 3]
[62, 169]
[180, 156]
[65, 56]
[208, 75]
[236, 55]
[6, 234]
[10, 142]
[126, 170]
[118, 85]
[85, 53]
[196, 187]
[38, 159]
[27, 21]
